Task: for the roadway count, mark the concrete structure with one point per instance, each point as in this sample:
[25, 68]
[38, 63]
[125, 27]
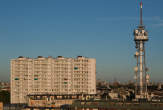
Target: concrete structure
[51, 76]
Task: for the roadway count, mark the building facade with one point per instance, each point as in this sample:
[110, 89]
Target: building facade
[49, 75]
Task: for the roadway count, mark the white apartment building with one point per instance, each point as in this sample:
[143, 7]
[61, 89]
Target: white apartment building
[51, 76]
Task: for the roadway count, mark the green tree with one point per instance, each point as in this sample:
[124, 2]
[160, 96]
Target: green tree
[5, 97]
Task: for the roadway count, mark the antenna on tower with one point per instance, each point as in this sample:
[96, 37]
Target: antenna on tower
[141, 13]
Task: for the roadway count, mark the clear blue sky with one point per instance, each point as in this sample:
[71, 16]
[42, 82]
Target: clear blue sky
[101, 29]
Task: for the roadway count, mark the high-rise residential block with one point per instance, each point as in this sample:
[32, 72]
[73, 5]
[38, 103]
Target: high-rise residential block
[49, 75]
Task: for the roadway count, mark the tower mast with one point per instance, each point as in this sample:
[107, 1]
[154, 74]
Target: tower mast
[140, 37]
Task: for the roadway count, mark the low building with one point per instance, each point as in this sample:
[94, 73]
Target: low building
[51, 101]
[113, 95]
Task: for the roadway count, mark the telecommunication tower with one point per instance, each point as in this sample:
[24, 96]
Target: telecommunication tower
[140, 37]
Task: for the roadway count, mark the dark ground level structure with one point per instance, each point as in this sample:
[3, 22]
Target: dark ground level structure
[95, 105]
